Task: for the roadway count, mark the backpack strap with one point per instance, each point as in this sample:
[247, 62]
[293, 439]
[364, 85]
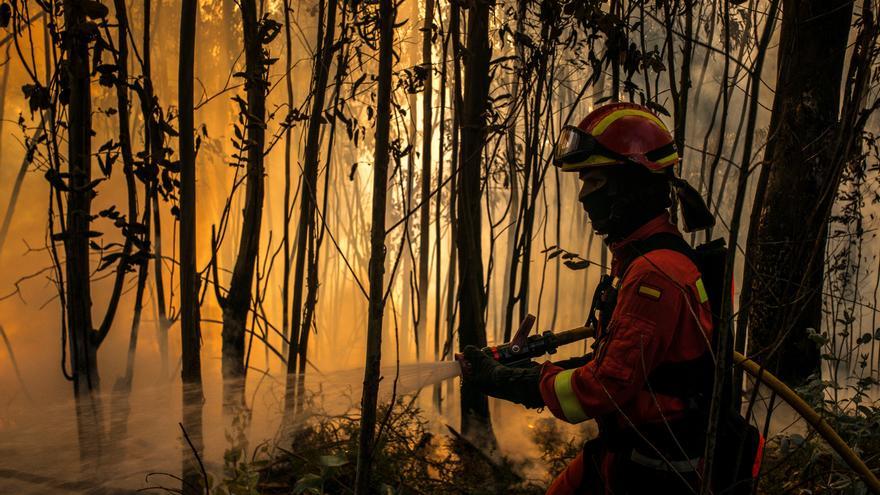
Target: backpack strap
[662, 240]
[690, 380]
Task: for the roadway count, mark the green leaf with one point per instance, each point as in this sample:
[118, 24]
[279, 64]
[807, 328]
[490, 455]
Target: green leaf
[332, 461]
[310, 483]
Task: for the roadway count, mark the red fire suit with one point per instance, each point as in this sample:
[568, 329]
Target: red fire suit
[662, 315]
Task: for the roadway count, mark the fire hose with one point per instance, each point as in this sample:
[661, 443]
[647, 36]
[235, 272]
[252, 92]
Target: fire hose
[523, 348]
[810, 416]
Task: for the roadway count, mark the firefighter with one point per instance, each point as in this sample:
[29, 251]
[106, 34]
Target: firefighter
[647, 380]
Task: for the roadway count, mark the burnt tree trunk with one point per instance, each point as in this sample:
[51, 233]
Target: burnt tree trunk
[83, 342]
[120, 400]
[425, 213]
[451, 300]
[366, 442]
[318, 236]
[787, 248]
[308, 201]
[471, 295]
[236, 305]
[511, 262]
[438, 203]
[154, 150]
[190, 334]
[288, 208]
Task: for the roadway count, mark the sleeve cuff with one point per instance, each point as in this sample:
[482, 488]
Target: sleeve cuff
[548, 392]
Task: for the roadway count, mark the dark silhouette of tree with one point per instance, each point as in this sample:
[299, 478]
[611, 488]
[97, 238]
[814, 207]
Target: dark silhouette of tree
[425, 209]
[84, 338]
[137, 235]
[455, 152]
[366, 441]
[787, 246]
[288, 207]
[724, 331]
[438, 203]
[237, 302]
[191, 372]
[302, 313]
[471, 293]
[154, 153]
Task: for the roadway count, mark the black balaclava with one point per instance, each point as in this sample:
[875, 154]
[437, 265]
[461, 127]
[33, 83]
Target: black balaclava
[630, 198]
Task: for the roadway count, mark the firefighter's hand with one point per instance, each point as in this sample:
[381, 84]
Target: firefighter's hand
[487, 375]
[480, 367]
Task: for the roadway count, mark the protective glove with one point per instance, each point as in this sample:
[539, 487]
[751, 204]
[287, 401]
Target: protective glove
[519, 385]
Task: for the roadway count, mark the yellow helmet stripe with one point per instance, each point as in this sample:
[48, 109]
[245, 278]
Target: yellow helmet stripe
[628, 112]
[592, 161]
[672, 157]
[568, 401]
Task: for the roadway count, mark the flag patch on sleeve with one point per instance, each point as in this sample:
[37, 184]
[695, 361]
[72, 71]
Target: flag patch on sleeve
[650, 292]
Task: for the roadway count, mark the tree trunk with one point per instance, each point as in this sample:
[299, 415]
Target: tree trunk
[438, 237]
[9, 214]
[308, 201]
[154, 144]
[318, 234]
[16, 188]
[288, 208]
[191, 373]
[471, 294]
[451, 300]
[120, 405]
[83, 345]
[163, 325]
[742, 183]
[236, 305]
[369, 399]
[787, 249]
[425, 219]
[512, 258]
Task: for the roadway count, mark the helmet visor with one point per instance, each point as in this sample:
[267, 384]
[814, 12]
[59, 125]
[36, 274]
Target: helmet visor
[574, 145]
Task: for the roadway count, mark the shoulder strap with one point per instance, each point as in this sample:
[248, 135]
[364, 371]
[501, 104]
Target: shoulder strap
[662, 240]
[689, 380]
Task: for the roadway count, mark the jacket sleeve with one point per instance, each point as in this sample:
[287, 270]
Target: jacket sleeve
[641, 331]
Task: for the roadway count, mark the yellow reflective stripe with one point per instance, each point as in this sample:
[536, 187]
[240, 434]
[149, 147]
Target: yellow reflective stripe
[649, 291]
[630, 112]
[599, 161]
[701, 290]
[592, 161]
[667, 159]
[568, 401]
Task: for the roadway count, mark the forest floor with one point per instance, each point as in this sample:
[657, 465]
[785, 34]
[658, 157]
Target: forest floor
[321, 458]
[410, 459]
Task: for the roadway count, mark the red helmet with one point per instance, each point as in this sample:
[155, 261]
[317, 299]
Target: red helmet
[614, 134]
